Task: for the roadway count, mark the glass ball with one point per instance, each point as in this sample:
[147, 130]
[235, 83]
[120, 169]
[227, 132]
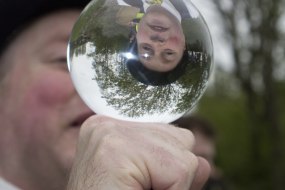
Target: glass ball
[140, 60]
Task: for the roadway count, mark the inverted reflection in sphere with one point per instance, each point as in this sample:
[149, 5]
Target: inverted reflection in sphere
[136, 60]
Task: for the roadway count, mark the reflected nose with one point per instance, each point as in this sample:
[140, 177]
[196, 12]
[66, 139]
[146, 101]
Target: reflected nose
[158, 38]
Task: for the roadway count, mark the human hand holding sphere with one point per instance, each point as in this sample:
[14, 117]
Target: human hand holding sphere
[139, 61]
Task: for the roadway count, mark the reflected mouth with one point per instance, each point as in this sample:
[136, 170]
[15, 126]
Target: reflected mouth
[158, 28]
[80, 120]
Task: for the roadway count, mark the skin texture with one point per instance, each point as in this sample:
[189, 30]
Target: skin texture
[40, 111]
[128, 155]
[41, 116]
[160, 38]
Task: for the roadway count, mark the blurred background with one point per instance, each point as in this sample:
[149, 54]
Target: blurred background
[245, 100]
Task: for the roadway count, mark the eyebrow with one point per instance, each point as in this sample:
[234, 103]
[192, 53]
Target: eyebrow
[63, 37]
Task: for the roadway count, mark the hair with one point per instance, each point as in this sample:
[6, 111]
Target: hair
[196, 123]
[4, 67]
[20, 20]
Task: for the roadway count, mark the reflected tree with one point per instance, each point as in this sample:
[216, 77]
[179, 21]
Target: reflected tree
[98, 26]
[125, 94]
[133, 99]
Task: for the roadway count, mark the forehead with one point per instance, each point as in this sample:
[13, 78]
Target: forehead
[37, 36]
[56, 25]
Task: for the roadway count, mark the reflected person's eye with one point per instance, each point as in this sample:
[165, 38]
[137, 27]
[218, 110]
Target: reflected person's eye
[168, 55]
[146, 51]
[146, 48]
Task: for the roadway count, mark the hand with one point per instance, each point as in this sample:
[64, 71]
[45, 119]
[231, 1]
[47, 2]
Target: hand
[120, 155]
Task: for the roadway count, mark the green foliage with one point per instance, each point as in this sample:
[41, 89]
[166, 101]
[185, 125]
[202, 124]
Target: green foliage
[257, 60]
[235, 156]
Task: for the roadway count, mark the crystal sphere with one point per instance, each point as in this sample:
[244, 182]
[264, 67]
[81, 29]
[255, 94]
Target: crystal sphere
[140, 60]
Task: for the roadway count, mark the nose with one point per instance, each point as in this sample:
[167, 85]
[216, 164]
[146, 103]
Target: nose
[158, 38]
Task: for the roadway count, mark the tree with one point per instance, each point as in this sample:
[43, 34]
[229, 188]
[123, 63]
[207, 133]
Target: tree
[257, 45]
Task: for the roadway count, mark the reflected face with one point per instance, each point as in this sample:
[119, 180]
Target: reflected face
[160, 38]
[40, 111]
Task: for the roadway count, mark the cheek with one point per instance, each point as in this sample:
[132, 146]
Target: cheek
[176, 37]
[36, 103]
[49, 90]
[44, 103]
[176, 41]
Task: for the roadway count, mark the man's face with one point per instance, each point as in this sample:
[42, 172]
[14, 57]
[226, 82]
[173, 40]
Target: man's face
[160, 38]
[40, 111]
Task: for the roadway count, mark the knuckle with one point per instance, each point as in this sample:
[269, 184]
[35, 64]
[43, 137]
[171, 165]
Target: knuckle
[110, 141]
[98, 125]
[188, 166]
[108, 146]
[96, 119]
[191, 160]
[188, 137]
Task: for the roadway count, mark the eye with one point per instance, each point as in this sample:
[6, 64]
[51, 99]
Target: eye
[146, 48]
[60, 62]
[169, 55]
[145, 51]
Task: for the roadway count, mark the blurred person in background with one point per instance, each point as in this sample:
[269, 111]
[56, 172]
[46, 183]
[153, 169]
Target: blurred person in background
[205, 146]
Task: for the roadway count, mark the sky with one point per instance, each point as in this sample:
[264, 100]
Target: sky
[222, 55]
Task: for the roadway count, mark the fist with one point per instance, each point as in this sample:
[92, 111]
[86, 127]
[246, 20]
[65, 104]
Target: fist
[119, 155]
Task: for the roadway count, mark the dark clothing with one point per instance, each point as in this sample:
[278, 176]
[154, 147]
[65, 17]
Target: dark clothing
[15, 14]
[215, 184]
[149, 77]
